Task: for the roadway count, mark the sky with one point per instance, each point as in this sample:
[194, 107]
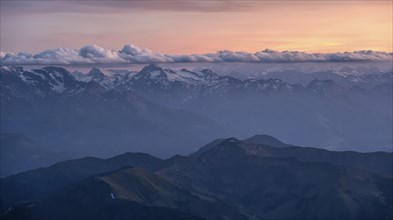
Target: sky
[197, 27]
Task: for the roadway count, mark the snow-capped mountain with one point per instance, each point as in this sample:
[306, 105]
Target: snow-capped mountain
[109, 81]
[94, 74]
[166, 85]
[59, 111]
[332, 114]
[50, 79]
[346, 77]
[158, 83]
[180, 87]
[170, 86]
[17, 82]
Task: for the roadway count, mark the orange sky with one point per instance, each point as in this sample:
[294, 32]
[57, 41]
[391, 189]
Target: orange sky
[199, 27]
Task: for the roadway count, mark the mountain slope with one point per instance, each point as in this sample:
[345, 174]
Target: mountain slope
[39, 183]
[284, 187]
[124, 193]
[91, 198]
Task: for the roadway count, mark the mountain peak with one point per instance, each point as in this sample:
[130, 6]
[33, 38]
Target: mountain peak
[208, 74]
[264, 139]
[94, 69]
[231, 140]
[216, 143]
[58, 71]
[95, 72]
[231, 149]
[184, 70]
[152, 67]
[151, 71]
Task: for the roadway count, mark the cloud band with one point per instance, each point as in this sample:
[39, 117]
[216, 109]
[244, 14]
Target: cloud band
[93, 54]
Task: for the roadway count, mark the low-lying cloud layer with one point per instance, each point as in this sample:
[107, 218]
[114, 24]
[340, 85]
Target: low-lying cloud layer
[93, 54]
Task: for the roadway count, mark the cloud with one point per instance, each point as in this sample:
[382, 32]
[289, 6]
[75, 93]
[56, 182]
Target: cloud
[106, 6]
[97, 54]
[47, 57]
[93, 54]
[133, 54]
[236, 56]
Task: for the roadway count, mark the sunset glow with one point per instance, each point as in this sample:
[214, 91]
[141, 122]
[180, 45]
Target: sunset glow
[198, 27]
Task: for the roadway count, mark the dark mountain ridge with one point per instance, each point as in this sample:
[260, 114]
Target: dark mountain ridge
[226, 179]
[44, 181]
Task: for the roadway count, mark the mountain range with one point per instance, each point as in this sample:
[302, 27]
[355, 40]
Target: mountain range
[56, 110]
[165, 111]
[255, 178]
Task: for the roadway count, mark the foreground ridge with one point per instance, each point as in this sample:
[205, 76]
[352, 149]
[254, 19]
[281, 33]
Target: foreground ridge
[226, 179]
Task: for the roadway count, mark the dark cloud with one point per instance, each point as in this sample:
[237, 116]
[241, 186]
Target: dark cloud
[99, 6]
[93, 54]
